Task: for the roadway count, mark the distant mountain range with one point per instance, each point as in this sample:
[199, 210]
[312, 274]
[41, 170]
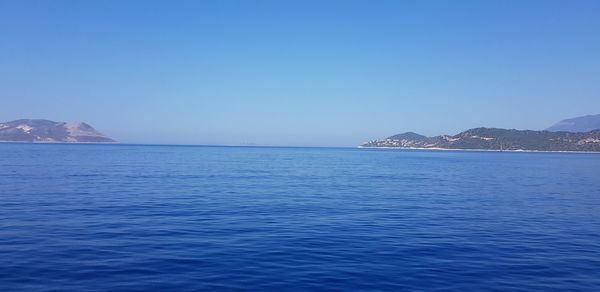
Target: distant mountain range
[579, 124]
[583, 134]
[49, 131]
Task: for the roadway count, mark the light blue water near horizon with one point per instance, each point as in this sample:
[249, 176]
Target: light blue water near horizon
[135, 217]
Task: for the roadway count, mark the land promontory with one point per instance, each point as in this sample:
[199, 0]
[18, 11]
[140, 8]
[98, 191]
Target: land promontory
[45, 131]
[496, 139]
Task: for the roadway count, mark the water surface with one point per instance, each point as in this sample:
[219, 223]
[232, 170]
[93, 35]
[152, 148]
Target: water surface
[131, 217]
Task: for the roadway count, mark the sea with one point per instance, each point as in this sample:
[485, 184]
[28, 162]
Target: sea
[202, 218]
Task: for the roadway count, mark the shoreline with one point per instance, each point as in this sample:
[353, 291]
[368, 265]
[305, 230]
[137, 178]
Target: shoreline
[477, 150]
[54, 142]
[270, 146]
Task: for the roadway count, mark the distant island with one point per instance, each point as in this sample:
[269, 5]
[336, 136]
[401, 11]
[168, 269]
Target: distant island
[579, 124]
[578, 134]
[45, 131]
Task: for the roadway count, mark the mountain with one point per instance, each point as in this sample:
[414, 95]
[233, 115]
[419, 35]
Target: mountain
[579, 124]
[497, 139]
[49, 131]
[410, 140]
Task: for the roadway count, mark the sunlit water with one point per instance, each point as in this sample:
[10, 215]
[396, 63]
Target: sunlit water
[168, 218]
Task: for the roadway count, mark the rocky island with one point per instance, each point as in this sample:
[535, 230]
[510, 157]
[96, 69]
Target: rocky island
[575, 134]
[45, 131]
[496, 139]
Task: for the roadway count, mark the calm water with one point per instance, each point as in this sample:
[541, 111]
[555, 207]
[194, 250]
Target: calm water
[118, 217]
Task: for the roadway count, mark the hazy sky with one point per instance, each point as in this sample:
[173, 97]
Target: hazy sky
[298, 72]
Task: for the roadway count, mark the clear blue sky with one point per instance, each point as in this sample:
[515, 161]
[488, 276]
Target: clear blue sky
[330, 73]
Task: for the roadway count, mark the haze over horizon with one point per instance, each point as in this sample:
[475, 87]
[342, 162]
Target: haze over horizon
[306, 73]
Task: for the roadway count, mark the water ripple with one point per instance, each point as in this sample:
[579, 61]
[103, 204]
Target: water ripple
[223, 218]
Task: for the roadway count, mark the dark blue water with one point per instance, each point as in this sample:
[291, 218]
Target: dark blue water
[118, 217]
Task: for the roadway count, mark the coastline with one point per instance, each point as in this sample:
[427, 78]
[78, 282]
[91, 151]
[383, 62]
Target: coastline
[54, 142]
[478, 150]
[269, 146]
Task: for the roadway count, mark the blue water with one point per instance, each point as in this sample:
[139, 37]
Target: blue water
[169, 218]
